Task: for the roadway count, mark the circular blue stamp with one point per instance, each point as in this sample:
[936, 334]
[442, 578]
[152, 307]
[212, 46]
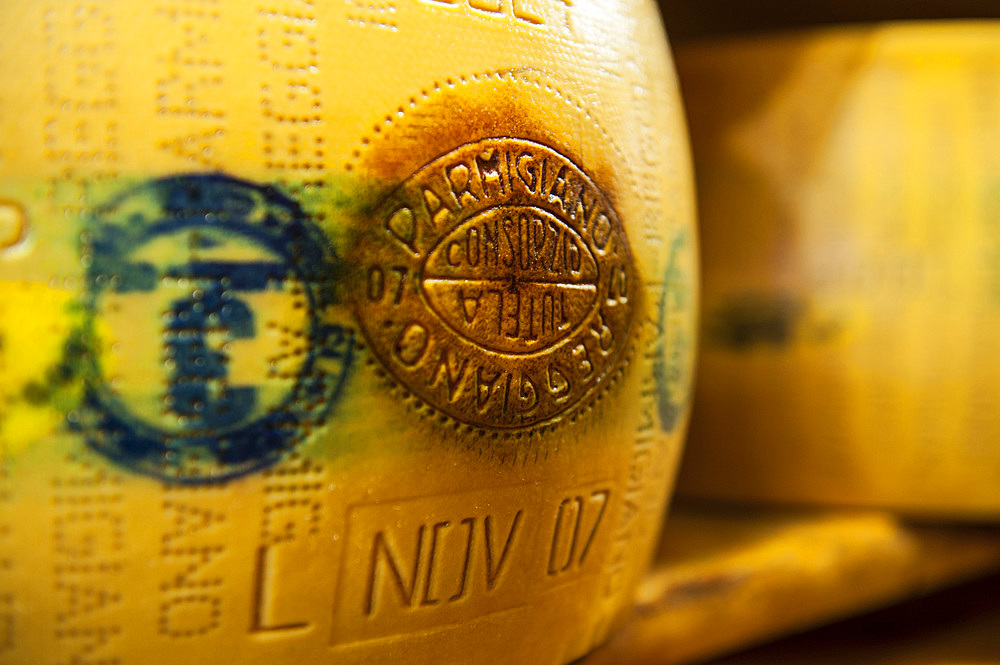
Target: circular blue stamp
[674, 365]
[213, 353]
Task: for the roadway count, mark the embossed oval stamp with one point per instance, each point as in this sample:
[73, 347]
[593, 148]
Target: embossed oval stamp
[207, 301]
[497, 284]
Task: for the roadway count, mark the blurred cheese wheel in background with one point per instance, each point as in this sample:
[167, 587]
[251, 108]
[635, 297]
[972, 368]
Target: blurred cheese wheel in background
[336, 331]
[849, 186]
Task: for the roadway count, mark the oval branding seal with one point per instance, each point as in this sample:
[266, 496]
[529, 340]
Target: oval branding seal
[497, 284]
[212, 355]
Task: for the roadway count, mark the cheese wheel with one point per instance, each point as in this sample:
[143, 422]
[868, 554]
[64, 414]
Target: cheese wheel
[336, 332]
[848, 184]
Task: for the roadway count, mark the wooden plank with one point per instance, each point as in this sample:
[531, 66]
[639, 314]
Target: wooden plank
[957, 626]
[727, 577]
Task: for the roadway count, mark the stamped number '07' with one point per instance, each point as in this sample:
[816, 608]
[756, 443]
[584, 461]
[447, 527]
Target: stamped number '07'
[379, 284]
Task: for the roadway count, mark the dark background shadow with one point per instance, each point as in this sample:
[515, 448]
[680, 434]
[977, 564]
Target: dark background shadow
[690, 19]
[960, 625]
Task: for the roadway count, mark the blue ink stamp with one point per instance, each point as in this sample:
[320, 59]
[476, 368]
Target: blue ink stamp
[213, 349]
[673, 367]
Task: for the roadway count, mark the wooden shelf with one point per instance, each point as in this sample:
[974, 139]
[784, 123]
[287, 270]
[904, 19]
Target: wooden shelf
[728, 578]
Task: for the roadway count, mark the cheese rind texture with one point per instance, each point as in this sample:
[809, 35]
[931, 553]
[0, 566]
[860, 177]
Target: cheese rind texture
[334, 331]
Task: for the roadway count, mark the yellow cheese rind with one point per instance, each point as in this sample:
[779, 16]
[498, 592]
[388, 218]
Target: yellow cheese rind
[203, 458]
